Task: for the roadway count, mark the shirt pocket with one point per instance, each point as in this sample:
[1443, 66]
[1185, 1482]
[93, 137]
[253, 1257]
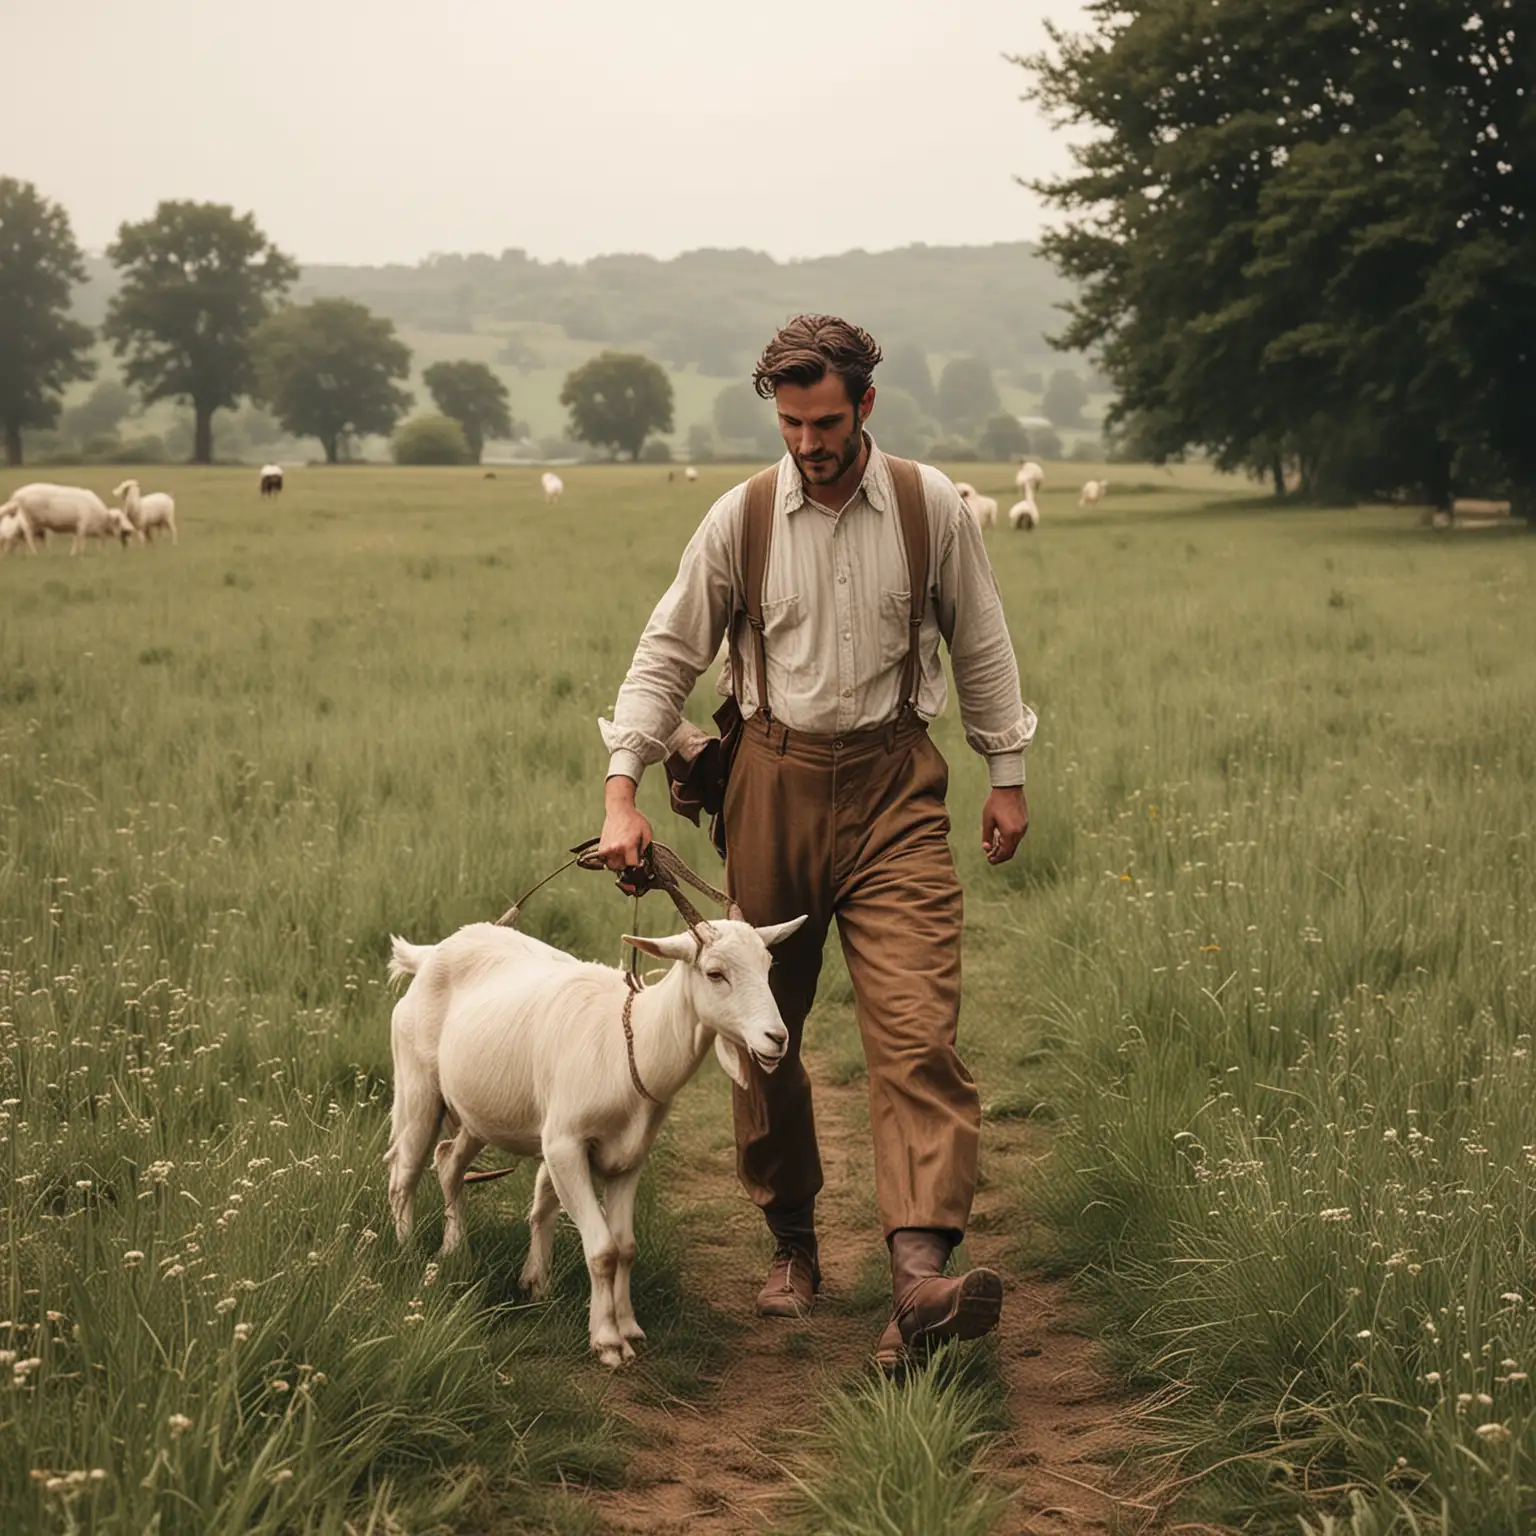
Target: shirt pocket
[781, 617]
[895, 621]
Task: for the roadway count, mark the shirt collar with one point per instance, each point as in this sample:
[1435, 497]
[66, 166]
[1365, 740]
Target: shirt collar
[876, 484]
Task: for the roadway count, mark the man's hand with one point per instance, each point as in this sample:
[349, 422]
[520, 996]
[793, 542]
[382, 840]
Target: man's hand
[626, 833]
[1004, 821]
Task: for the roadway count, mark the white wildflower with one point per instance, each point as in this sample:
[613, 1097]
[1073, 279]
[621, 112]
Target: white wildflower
[132, 1259]
[179, 1424]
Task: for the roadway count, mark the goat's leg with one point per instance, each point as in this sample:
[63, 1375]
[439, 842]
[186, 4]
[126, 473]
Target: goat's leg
[453, 1159]
[541, 1235]
[571, 1175]
[621, 1222]
[413, 1124]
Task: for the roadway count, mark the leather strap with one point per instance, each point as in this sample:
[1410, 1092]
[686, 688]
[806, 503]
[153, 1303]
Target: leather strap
[912, 507]
[756, 536]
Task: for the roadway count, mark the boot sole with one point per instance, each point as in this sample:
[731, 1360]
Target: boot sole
[977, 1311]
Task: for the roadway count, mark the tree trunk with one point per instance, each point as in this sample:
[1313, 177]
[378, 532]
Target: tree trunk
[12, 443]
[329, 444]
[476, 441]
[1277, 469]
[202, 439]
[1439, 478]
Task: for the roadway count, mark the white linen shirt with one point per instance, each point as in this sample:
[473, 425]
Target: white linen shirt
[835, 616]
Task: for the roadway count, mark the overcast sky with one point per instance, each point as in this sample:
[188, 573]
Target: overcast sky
[385, 131]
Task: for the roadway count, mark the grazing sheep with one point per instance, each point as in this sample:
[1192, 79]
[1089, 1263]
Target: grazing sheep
[983, 509]
[554, 486]
[1024, 514]
[271, 479]
[966, 489]
[690, 474]
[45, 508]
[12, 531]
[1093, 493]
[1029, 478]
[148, 514]
[508, 1042]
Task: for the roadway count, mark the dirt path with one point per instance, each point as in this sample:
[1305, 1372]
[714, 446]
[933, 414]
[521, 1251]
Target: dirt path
[718, 1465]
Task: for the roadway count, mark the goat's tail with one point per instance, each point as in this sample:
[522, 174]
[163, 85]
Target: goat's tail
[405, 959]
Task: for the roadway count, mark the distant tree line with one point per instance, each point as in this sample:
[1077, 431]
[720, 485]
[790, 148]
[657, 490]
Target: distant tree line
[1304, 236]
[200, 315]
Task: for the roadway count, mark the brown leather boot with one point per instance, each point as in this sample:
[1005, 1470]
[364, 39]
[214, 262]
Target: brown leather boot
[793, 1282]
[795, 1276]
[930, 1308]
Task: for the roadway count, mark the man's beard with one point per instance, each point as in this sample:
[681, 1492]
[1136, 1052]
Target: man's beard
[825, 471]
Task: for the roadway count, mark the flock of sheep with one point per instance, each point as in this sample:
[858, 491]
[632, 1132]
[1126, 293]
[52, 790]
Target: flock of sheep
[1024, 513]
[39, 509]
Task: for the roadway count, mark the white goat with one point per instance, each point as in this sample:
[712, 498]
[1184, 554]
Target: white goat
[1024, 514]
[65, 509]
[148, 514]
[554, 486]
[1093, 493]
[966, 489]
[520, 1046]
[1029, 478]
[690, 474]
[271, 479]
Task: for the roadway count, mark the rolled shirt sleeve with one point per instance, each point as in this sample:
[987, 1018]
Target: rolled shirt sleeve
[998, 724]
[679, 642]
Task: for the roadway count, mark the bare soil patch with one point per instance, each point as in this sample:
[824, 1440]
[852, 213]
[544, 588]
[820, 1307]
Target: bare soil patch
[721, 1463]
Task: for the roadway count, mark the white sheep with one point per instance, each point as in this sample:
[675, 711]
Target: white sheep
[148, 514]
[983, 509]
[1029, 478]
[690, 474]
[508, 1042]
[271, 479]
[69, 509]
[1093, 493]
[12, 531]
[966, 489]
[554, 486]
[1024, 514]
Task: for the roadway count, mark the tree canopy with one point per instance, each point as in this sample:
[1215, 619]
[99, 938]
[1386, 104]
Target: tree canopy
[1064, 399]
[41, 348]
[431, 440]
[1004, 437]
[197, 280]
[1307, 235]
[617, 400]
[475, 398]
[329, 370]
[967, 394]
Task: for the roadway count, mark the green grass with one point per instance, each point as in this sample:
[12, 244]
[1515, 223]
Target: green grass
[1267, 961]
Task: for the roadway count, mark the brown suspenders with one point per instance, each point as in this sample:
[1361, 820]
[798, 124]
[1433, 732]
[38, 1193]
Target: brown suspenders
[757, 536]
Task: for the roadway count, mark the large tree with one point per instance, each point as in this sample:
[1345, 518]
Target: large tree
[473, 396]
[197, 281]
[41, 348]
[617, 400]
[1306, 233]
[329, 370]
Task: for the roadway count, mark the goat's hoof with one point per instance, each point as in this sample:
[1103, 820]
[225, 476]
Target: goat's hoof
[534, 1283]
[452, 1242]
[611, 1355]
[633, 1332]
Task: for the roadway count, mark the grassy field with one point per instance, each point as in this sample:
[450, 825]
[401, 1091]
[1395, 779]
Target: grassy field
[1267, 961]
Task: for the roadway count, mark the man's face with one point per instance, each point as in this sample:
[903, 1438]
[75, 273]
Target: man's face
[821, 428]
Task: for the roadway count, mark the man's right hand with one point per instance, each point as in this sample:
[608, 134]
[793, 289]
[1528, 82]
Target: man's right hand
[626, 833]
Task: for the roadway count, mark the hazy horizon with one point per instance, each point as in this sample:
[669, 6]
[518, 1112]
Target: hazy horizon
[388, 136]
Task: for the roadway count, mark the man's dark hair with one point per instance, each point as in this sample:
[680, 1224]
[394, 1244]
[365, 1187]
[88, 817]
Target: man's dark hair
[809, 348]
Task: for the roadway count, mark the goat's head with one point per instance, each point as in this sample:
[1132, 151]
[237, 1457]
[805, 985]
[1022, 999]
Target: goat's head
[726, 973]
[125, 487]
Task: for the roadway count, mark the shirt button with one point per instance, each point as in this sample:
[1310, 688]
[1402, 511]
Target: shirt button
[847, 634]
[847, 693]
[842, 581]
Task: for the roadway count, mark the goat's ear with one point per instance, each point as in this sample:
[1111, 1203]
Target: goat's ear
[730, 1060]
[677, 946]
[776, 933]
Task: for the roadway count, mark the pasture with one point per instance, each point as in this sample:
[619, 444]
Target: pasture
[1264, 968]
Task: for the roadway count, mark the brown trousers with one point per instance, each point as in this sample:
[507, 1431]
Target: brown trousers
[855, 828]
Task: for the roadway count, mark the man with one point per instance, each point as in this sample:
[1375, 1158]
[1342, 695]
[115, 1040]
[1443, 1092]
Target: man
[835, 808]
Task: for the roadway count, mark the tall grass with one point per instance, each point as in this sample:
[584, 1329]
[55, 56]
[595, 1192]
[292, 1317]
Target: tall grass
[1287, 977]
[227, 772]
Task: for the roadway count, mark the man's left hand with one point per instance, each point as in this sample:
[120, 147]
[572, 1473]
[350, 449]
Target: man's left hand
[1004, 821]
